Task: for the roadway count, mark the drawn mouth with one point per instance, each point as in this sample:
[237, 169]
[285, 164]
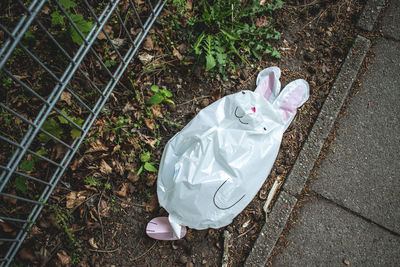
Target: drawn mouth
[224, 208]
[239, 117]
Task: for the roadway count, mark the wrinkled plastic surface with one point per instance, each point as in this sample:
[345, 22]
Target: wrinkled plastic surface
[213, 168]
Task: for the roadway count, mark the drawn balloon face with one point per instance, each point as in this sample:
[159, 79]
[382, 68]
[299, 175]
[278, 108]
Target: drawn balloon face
[213, 168]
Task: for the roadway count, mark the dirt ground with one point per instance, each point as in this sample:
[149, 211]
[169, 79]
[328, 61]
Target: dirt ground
[109, 223]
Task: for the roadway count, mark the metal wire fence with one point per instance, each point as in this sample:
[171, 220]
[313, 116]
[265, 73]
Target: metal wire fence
[59, 62]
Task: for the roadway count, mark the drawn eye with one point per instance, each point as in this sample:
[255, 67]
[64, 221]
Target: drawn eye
[244, 93]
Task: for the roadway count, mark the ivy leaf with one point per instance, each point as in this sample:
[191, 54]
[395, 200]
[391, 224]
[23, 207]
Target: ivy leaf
[75, 133]
[78, 121]
[155, 99]
[67, 3]
[62, 119]
[20, 184]
[51, 126]
[210, 62]
[26, 165]
[83, 25]
[41, 152]
[275, 53]
[149, 167]
[57, 18]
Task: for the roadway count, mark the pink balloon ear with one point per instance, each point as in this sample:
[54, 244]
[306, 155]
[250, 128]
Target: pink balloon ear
[266, 85]
[292, 102]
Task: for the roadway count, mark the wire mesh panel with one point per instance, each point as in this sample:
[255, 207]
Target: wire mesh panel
[59, 63]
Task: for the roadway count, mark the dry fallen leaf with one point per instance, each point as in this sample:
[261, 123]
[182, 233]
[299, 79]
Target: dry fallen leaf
[156, 110]
[118, 42]
[148, 44]
[128, 107]
[107, 29]
[65, 96]
[122, 192]
[63, 258]
[152, 204]
[132, 177]
[189, 5]
[115, 149]
[176, 53]
[104, 208]
[93, 243]
[5, 227]
[145, 58]
[75, 198]
[45, 10]
[10, 200]
[105, 168]
[149, 140]
[149, 124]
[151, 179]
[96, 146]
[262, 22]
[27, 254]
[119, 168]
[60, 151]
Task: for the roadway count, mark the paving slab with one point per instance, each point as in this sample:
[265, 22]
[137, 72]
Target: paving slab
[391, 20]
[327, 235]
[369, 14]
[362, 168]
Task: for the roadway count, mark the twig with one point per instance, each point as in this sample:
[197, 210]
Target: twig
[272, 192]
[251, 228]
[227, 241]
[104, 251]
[317, 17]
[146, 251]
[194, 99]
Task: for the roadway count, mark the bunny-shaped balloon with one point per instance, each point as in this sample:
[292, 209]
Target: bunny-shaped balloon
[213, 168]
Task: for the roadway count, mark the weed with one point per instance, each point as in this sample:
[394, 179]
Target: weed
[90, 180]
[228, 29]
[64, 219]
[146, 163]
[159, 96]
[107, 186]
[53, 126]
[83, 25]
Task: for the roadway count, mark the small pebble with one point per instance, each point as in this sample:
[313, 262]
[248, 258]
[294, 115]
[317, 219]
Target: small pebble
[205, 102]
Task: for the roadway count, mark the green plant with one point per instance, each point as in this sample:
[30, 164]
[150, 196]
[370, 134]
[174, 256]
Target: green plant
[53, 126]
[146, 163]
[110, 63]
[228, 29]
[83, 25]
[180, 6]
[159, 96]
[64, 219]
[20, 182]
[90, 180]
